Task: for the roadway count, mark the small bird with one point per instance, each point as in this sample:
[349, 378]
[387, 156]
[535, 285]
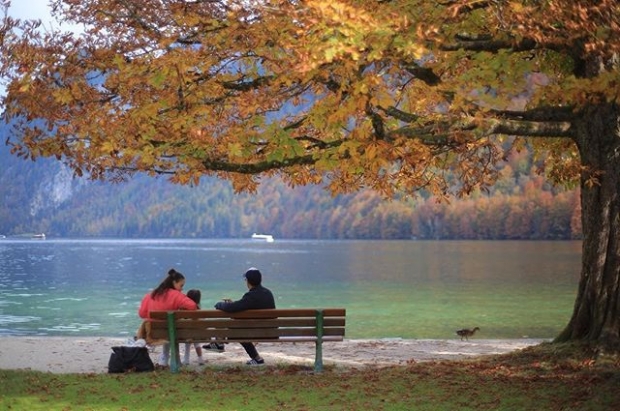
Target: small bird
[466, 333]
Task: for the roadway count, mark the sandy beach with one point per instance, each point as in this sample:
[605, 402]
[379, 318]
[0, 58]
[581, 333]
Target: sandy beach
[91, 354]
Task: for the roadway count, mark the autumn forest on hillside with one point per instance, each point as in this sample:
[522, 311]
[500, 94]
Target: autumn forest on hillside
[521, 205]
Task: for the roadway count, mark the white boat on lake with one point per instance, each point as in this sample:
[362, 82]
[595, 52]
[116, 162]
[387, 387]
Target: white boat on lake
[266, 237]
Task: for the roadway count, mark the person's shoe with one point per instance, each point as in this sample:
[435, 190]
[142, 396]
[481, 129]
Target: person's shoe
[255, 361]
[214, 347]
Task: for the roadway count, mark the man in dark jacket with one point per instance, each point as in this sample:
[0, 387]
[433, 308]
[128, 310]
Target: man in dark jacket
[256, 298]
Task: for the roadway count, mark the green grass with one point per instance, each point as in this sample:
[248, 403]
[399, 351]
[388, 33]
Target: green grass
[547, 377]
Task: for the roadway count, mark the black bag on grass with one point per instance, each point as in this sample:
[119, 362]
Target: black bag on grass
[130, 359]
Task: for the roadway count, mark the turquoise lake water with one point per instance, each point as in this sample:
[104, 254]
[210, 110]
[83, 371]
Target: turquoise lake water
[391, 289]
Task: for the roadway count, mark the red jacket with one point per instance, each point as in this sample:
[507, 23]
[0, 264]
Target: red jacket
[171, 299]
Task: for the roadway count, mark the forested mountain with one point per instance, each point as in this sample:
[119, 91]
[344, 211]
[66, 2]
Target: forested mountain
[43, 196]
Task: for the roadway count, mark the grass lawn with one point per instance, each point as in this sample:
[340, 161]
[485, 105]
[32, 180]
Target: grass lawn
[546, 377]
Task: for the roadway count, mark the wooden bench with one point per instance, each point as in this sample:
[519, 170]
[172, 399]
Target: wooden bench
[273, 325]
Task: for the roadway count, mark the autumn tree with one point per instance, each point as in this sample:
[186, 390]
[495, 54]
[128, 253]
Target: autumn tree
[392, 95]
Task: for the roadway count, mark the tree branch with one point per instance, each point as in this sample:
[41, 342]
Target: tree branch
[399, 114]
[422, 73]
[490, 45]
[259, 167]
[444, 135]
[549, 129]
[538, 114]
[267, 165]
[242, 85]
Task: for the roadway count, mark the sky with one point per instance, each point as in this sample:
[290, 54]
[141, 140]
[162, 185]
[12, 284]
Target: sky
[30, 9]
[35, 9]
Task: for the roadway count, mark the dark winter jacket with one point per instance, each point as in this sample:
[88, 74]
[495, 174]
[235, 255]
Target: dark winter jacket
[256, 298]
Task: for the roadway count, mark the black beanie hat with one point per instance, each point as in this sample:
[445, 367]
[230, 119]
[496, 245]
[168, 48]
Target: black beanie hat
[253, 276]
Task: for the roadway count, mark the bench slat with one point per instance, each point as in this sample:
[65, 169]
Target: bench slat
[253, 323]
[263, 340]
[202, 334]
[256, 333]
[303, 312]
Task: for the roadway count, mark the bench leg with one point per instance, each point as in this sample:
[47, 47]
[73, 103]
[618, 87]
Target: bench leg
[318, 358]
[174, 347]
[174, 358]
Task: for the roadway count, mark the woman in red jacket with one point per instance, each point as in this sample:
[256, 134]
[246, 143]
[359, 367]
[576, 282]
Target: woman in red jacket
[167, 296]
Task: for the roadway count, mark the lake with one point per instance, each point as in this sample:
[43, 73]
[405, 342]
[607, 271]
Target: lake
[391, 289]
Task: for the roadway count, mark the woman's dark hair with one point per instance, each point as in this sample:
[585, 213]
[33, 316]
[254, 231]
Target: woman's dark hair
[173, 277]
[194, 295]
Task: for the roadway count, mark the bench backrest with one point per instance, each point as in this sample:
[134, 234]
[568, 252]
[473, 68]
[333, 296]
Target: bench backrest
[303, 324]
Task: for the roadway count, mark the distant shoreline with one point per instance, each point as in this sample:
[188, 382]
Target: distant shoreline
[91, 354]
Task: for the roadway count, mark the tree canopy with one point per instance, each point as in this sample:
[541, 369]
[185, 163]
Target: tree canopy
[391, 95]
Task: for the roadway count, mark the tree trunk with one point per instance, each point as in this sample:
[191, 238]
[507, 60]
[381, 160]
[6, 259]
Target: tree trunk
[596, 316]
